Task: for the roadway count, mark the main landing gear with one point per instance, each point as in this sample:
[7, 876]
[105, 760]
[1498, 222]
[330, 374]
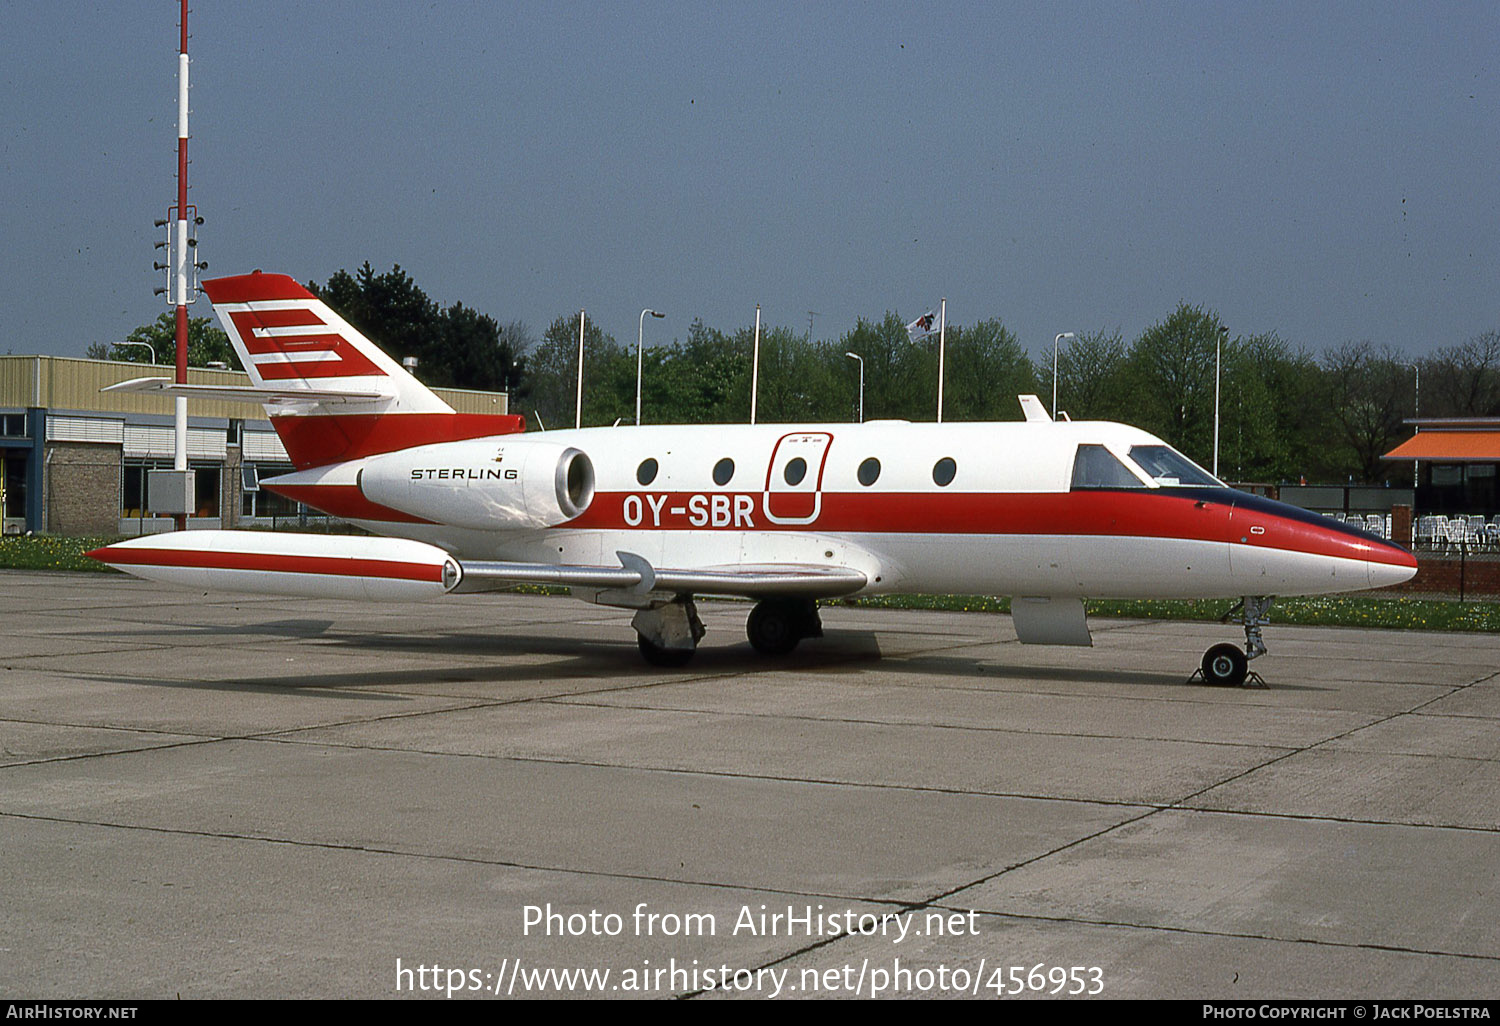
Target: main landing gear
[1226, 665]
[668, 634]
[777, 625]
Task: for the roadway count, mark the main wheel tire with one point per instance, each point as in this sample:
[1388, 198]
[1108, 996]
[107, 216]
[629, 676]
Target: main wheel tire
[1225, 665]
[773, 628]
[658, 656]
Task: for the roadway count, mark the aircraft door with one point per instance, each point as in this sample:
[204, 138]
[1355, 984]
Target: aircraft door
[794, 479]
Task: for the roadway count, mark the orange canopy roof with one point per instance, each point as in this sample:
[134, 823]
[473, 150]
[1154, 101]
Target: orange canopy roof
[1450, 446]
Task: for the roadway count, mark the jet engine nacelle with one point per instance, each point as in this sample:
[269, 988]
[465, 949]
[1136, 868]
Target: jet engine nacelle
[485, 483]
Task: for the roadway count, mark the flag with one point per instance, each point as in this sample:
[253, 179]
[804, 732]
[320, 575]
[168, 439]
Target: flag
[919, 329]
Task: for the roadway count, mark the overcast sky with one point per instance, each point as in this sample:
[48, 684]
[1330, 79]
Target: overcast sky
[1327, 171]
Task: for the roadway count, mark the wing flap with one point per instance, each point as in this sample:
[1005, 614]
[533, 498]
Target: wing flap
[747, 581]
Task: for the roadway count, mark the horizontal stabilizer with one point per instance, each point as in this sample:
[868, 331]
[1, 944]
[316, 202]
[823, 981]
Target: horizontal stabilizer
[245, 393]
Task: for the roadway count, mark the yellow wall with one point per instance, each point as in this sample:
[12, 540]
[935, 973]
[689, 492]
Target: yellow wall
[74, 384]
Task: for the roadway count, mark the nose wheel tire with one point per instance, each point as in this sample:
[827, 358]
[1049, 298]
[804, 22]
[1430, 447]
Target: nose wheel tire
[1225, 665]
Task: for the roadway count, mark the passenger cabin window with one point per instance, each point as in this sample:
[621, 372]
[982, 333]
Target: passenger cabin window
[646, 472]
[1170, 468]
[795, 471]
[869, 471]
[943, 471]
[723, 471]
[1097, 467]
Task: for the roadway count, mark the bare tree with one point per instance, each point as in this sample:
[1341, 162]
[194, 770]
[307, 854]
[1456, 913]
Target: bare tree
[1368, 391]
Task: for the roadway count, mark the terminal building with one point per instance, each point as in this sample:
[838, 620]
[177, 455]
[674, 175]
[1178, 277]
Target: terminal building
[1457, 462]
[73, 459]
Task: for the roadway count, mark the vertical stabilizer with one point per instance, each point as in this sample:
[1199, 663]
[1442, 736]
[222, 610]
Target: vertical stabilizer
[288, 339]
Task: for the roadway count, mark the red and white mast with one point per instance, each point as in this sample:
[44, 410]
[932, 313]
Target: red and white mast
[180, 256]
[181, 267]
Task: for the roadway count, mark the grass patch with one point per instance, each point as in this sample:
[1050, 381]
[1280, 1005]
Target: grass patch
[51, 552]
[1323, 611]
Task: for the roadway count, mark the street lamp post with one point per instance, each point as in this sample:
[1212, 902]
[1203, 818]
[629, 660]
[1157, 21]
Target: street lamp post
[1055, 341]
[755, 366]
[639, 337]
[1219, 341]
[149, 348]
[1416, 413]
[861, 359]
[578, 416]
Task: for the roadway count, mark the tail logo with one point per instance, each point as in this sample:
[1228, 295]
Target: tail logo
[296, 343]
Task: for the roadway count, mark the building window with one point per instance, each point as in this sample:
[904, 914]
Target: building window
[205, 491]
[13, 425]
[263, 503]
[133, 489]
[12, 490]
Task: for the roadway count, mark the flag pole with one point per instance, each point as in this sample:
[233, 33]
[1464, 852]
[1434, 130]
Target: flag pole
[942, 343]
[578, 415]
[755, 365]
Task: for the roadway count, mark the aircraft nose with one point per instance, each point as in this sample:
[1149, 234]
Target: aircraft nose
[1390, 564]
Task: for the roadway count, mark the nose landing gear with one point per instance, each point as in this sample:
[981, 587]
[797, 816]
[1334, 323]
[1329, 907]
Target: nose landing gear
[1226, 665]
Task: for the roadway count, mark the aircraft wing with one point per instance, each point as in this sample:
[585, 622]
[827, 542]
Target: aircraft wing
[243, 393]
[339, 566]
[637, 576]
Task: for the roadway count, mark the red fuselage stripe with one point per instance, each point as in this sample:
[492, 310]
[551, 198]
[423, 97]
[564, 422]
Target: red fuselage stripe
[321, 440]
[345, 501]
[1085, 513]
[271, 563]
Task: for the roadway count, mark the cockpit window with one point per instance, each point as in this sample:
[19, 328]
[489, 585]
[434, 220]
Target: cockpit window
[1170, 468]
[1097, 467]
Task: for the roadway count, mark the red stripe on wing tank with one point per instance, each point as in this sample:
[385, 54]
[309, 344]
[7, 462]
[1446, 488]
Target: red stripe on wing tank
[268, 562]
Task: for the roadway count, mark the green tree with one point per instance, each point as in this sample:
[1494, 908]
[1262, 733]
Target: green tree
[1463, 380]
[207, 344]
[900, 378]
[552, 376]
[1273, 421]
[986, 370]
[457, 347]
[1171, 380]
[1091, 377]
[1368, 391]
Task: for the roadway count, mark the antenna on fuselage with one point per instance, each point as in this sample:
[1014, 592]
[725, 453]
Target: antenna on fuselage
[1035, 412]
